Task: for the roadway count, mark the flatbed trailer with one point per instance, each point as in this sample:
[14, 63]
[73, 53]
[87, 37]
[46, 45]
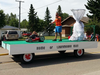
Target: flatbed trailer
[27, 50]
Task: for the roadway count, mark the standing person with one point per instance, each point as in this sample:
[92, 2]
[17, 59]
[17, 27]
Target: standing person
[58, 28]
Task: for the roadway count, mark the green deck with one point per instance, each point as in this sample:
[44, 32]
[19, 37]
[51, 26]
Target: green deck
[36, 42]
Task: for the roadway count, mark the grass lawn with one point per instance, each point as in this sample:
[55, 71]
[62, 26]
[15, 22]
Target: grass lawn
[52, 37]
[46, 37]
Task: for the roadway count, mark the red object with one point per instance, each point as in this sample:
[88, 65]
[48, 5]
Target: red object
[97, 37]
[80, 51]
[27, 56]
[69, 37]
[89, 36]
[26, 34]
[4, 39]
[36, 39]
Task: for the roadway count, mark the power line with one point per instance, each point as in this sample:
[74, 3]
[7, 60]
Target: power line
[44, 5]
[49, 4]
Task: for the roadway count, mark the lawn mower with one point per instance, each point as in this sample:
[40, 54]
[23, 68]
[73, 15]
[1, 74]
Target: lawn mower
[41, 37]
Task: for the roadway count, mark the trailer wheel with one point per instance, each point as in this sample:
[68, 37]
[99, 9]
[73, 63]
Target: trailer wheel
[62, 52]
[79, 52]
[42, 38]
[26, 58]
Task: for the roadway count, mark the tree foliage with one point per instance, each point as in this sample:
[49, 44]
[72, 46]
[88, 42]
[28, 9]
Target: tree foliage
[47, 17]
[59, 11]
[48, 20]
[94, 9]
[63, 15]
[2, 18]
[33, 19]
[95, 22]
[11, 20]
[41, 25]
[24, 24]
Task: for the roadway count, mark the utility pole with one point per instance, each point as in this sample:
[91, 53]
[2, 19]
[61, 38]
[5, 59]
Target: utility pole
[19, 11]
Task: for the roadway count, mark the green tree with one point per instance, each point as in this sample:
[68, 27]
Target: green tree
[11, 20]
[2, 18]
[63, 15]
[7, 19]
[94, 9]
[47, 17]
[48, 20]
[59, 11]
[41, 25]
[32, 19]
[88, 27]
[24, 24]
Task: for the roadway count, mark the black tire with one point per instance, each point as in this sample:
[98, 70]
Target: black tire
[28, 59]
[62, 52]
[42, 38]
[79, 52]
[16, 56]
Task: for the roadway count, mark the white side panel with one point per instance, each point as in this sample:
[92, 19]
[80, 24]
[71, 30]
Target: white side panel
[34, 48]
[4, 45]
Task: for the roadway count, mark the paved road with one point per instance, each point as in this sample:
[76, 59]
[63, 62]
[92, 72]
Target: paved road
[52, 63]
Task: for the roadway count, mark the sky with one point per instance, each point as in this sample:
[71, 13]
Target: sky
[40, 6]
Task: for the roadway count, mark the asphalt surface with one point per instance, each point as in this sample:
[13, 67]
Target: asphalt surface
[52, 63]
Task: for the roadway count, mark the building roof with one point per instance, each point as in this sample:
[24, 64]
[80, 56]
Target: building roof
[67, 19]
[9, 27]
[84, 19]
[66, 26]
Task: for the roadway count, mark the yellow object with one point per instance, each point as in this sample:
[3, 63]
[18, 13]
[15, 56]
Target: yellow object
[4, 54]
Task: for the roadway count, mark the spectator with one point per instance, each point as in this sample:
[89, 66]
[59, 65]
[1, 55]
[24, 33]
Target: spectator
[91, 35]
[3, 38]
[97, 37]
[85, 36]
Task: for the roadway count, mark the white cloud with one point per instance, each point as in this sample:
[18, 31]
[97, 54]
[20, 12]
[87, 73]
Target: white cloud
[12, 6]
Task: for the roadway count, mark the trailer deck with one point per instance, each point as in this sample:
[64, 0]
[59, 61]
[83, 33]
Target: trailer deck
[21, 47]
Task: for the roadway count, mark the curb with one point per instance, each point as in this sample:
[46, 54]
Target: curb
[4, 54]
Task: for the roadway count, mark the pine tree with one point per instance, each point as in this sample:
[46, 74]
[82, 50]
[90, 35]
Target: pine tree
[61, 14]
[94, 9]
[32, 19]
[2, 18]
[48, 20]
[47, 16]
[59, 11]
